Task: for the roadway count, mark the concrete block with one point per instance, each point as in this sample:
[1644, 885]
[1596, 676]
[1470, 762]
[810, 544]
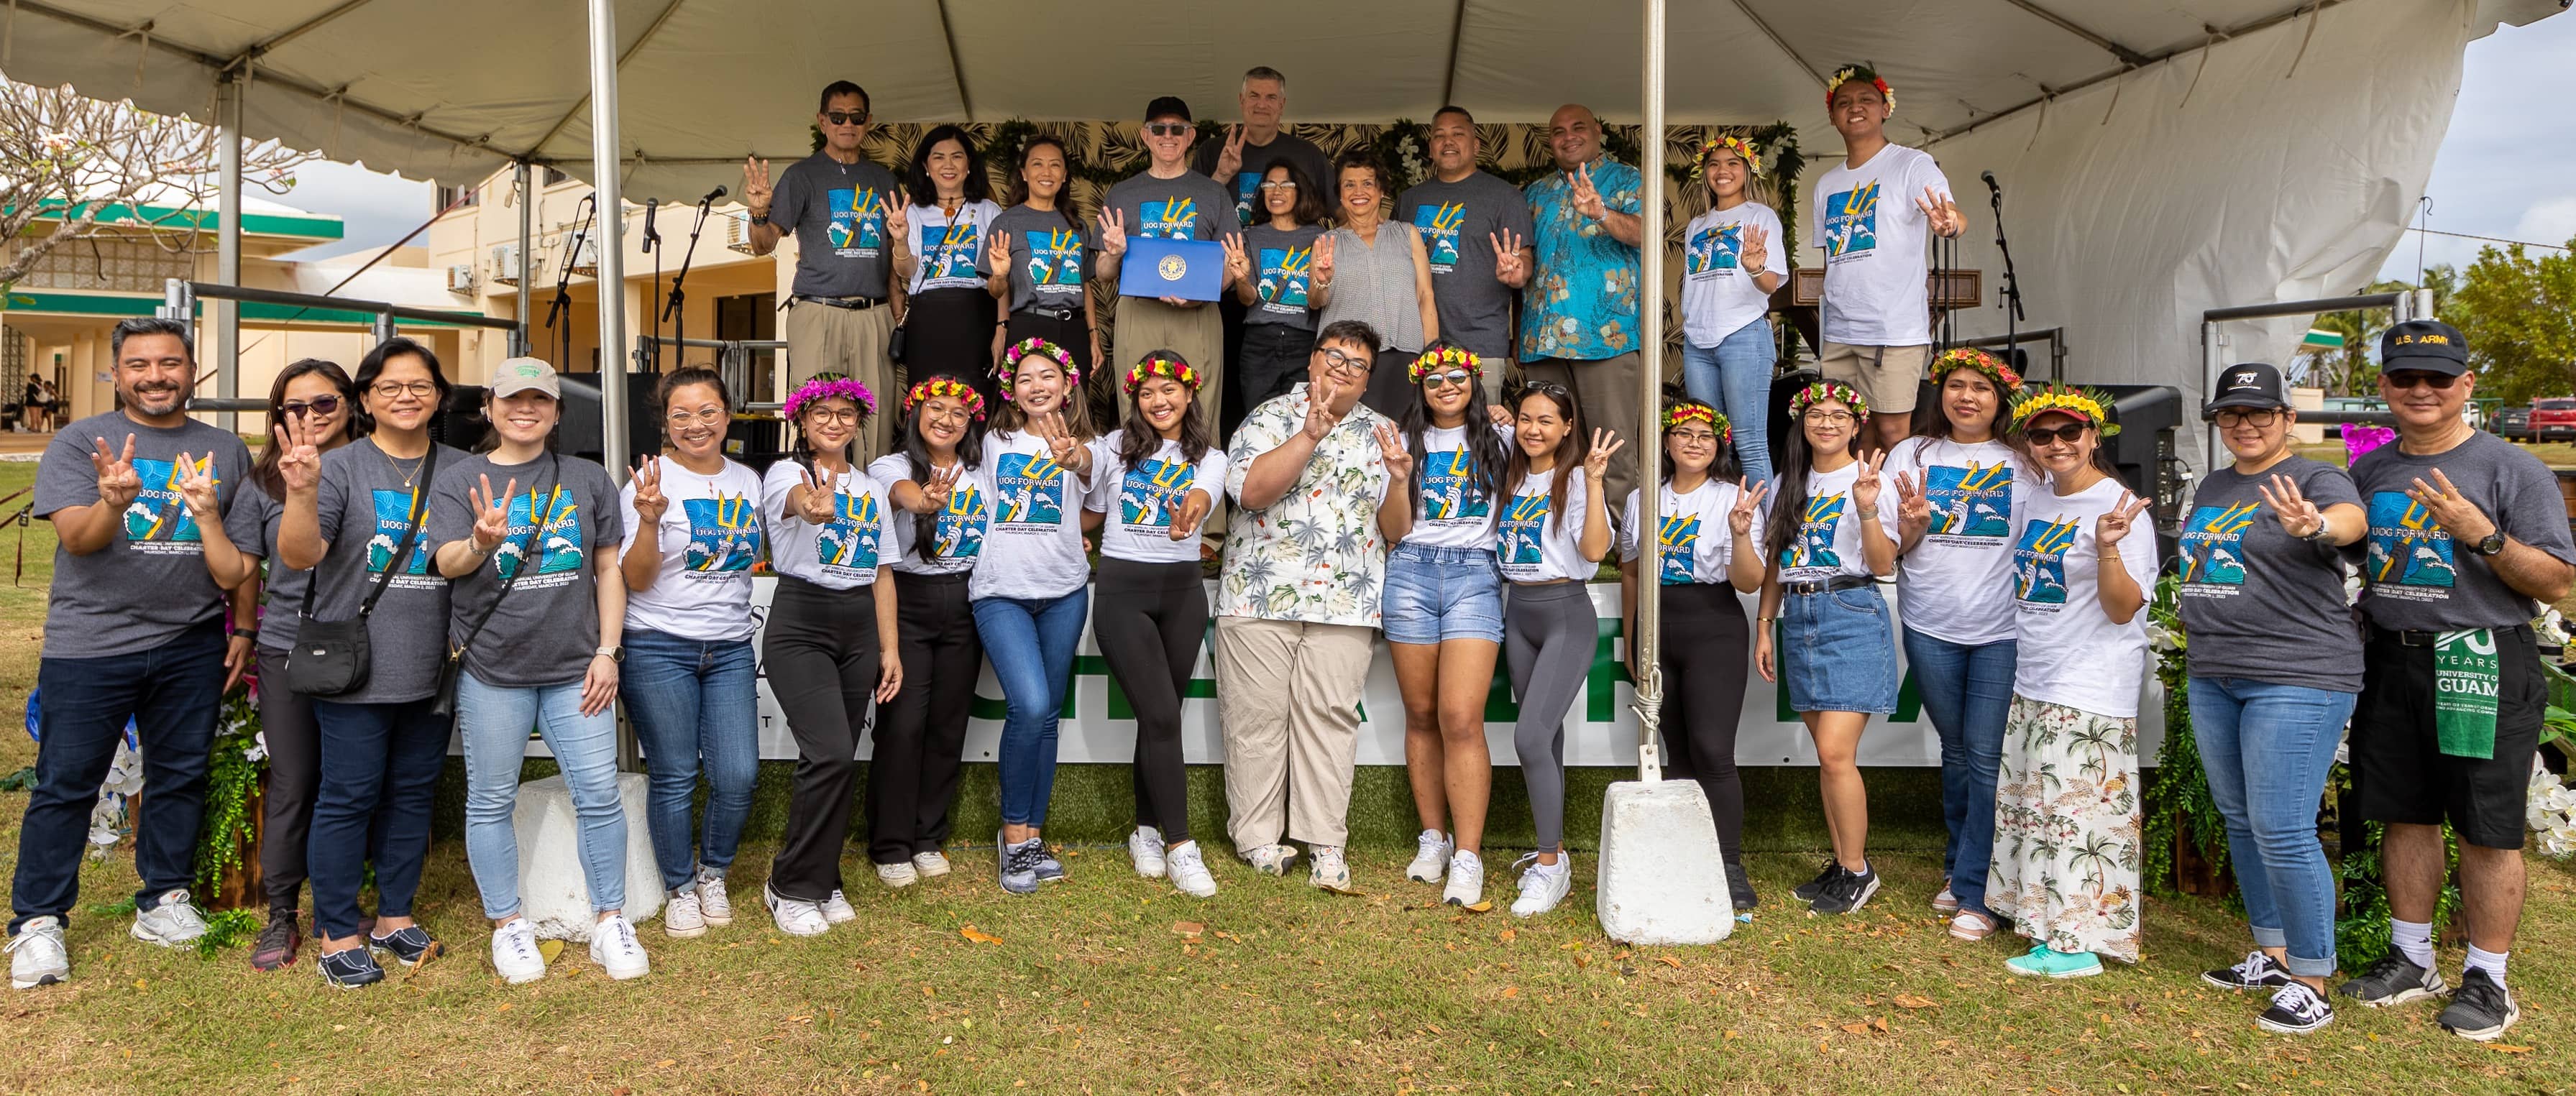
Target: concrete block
[1663, 881]
[553, 892]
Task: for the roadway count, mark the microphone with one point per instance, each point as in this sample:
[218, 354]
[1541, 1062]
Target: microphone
[712, 195]
[1989, 177]
[650, 236]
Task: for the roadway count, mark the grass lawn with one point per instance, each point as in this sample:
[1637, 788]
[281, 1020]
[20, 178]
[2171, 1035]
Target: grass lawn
[1110, 983]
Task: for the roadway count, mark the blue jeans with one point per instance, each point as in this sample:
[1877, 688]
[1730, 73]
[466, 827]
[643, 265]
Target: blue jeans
[1967, 692]
[2266, 748]
[695, 705]
[495, 722]
[380, 768]
[171, 692]
[1031, 642]
[1735, 377]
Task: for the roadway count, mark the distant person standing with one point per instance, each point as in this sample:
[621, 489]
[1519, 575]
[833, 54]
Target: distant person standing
[1579, 313]
[1239, 159]
[1476, 230]
[1876, 211]
[1385, 279]
[1730, 266]
[1167, 201]
[950, 287]
[846, 213]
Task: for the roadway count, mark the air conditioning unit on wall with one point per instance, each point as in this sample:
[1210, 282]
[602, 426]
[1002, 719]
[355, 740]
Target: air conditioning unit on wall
[460, 278]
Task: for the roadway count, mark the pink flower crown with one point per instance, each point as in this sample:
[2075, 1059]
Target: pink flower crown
[1033, 345]
[1836, 391]
[947, 388]
[1447, 355]
[827, 386]
[1729, 145]
[1162, 365]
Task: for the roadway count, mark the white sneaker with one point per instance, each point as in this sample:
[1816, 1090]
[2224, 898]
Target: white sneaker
[1145, 850]
[713, 903]
[514, 953]
[682, 916]
[1430, 857]
[1543, 885]
[1189, 873]
[614, 947]
[1330, 872]
[37, 956]
[794, 918]
[1466, 879]
[837, 911]
[899, 875]
[1271, 859]
[173, 923]
[931, 865]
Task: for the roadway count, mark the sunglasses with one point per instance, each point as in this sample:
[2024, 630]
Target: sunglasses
[1168, 129]
[319, 405]
[1442, 380]
[2409, 378]
[2040, 435]
[2232, 418]
[846, 117]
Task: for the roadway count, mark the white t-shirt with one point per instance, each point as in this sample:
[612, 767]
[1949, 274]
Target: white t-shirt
[951, 255]
[1698, 542]
[1828, 544]
[1033, 548]
[1718, 296]
[1454, 512]
[960, 528]
[1147, 497]
[1874, 238]
[1537, 546]
[2070, 652]
[709, 536]
[1957, 582]
[841, 554]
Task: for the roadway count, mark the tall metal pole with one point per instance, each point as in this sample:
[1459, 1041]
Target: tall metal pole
[611, 281]
[1649, 437]
[527, 261]
[228, 139]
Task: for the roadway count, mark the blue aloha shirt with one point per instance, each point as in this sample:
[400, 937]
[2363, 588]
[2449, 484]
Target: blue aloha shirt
[1582, 298]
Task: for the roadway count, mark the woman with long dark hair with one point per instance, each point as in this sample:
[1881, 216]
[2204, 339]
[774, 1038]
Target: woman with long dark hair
[943, 506]
[311, 399]
[1369, 270]
[1271, 272]
[1824, 550]
[1157, 479]
[1733, 257]
[1554, 532]
[1443, 611]
[951, 288]
[831, 646]
[1040, 245]
[1705, 636]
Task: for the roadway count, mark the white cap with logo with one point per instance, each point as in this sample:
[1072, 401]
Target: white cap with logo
[517, 375]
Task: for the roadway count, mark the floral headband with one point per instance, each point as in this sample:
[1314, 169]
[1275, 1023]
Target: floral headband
[945, 388]
[1447, 355]
[1033, 345]
[1849, 73]
[1729, 145]
[826, 386]
[1836, 391]
[1162, 365]
[1969, 357]
[1695, 411]
[2089, 404]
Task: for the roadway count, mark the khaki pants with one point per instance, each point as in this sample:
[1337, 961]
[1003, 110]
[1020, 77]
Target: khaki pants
[1145, 325]
[1889, 377]
[1288, 697]
[824, 339]
[1607, 391]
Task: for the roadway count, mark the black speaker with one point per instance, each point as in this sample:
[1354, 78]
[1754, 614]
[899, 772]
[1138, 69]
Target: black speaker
[460, 421]
[2148, 415]
[579, 432]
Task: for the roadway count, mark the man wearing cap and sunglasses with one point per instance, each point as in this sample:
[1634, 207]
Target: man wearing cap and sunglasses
[2466, 537]
[847, 214]
[1171, 202]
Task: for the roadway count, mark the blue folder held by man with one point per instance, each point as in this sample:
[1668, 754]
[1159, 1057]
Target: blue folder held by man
[1193, 270]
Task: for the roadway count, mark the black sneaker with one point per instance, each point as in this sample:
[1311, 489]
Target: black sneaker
[277, 943]
[2258, 971]
[2481, 1010]
[410, 945]
[2296, 1010]
[350, 969]
[1847, 892]
[2393, 981]
[1807, 891]
[1739, 887]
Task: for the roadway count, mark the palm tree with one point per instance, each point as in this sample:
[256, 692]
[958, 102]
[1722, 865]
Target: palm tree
[2095, 860]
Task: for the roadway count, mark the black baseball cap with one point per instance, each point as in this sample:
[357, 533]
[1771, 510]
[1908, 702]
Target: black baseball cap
[1168, 106]
[2252, 384]
[2429, 346]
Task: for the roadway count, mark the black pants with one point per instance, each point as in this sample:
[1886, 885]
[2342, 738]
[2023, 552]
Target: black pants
[820, 653]
[1273, 360]
[1150, 620]
[1074, 335]
[294, 741]
[1390, 383]
[948, 332]
[921, 733]
[1703, 662]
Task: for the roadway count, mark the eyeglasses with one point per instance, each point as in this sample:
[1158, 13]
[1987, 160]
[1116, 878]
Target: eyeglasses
[2409, 378]
[1695, 437]
[319, 405]
[1168, 129]
[844, 416]
[2233, 417]
[391, 389]
[846, 117]
[1442, 380]
[1279, 184]
[2040, 435]
[1347, 363]
[709, 416]
[1828, 418]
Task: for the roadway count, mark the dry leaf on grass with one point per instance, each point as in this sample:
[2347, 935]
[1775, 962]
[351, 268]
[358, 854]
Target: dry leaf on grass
[1857, 1027]
[1508, 935]
[1511, 991]
[978, 935]
[549, 949]
[1669, 961]
[1190, 929]
[2508, 1048]
[1908, 1000]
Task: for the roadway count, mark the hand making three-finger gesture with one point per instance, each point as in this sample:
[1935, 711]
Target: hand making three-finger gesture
[491, 514]
[1753, 251]
[196, 484]
[2459, 516]
[1508, 267]
[941, 484]
[1596, 460]
[2299, 514]
[1866, 485]
[756, 187]
[1913, 503]
[2115, 522]
[1113, 232]
[118, 483]
[650, 502]
[819, 503]
[1391, 451]
[1238, 264]
[1942, 213]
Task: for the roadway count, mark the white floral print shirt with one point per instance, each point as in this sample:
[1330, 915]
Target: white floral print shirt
[1315, 556]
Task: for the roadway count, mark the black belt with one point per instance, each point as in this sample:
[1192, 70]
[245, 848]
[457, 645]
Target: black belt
[854, 304]
[1060, 315]
[1845, 582]
[2416, 637]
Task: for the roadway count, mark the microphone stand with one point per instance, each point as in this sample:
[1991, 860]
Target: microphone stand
[654, 288]
[671, 310]
[2010, 301]
[563, 283]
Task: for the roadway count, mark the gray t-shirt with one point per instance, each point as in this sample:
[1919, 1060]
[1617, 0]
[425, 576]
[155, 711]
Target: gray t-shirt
[1458, 222]
[252, 527]
[149, 584]
[1279, 263]
[2257, 602]
[547, 627]
[2417, 576]
[1050, 257]
[363, 510]
[838, 213]
[1256, 163]
[1190, 207]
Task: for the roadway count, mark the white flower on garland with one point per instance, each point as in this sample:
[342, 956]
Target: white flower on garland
[2551, 629]
[107, 818]
[2551, 812]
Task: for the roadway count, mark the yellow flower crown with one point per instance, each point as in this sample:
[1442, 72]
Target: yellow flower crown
[1695, 411]
[1969, 357]
[1162, 365]
[1849, 73]
[1836, 391]
[2089, 404]
[1447, 355]
[945, 387]
[1731, 145]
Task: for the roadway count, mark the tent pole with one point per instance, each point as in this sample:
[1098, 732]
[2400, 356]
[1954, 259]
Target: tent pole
[228, 138]
[611, 280]
[1649, 428]
[527, 263]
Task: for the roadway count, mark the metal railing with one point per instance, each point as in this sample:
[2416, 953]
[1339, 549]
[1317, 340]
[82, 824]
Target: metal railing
[2055, 337]
[179, 300]
[2404, 305]
[733, 361]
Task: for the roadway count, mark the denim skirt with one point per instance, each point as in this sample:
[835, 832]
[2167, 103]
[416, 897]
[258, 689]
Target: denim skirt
[1838, 651]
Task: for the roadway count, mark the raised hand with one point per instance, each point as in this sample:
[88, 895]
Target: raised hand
[197, 487]
[1229, 159]
[1320, 416]
[1194, 510]
[2115, 522]
[1748, 505]
[118, 483]
[941, 484]
[299, 460]
[1238, 264]
[999, 245]
[1508, 267]
[2299, 516]
[1913, 503]
[820, 500]
[1319, 264]
[1059, 440]
[1501, 414]
[2460, 517]
[1865, 483]
[1390, 449]
[1113, 233]
[897, 222]
[491, 514]
[756, 189]
[1942, 213]
[1587, 198]
[650, 502]
[1596, 461]
[1754, 251]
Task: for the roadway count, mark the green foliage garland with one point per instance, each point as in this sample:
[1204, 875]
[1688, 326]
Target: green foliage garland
[2180, 791]
[232, 783]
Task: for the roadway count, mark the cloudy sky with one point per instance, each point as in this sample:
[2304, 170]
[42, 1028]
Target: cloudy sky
[2506, 169]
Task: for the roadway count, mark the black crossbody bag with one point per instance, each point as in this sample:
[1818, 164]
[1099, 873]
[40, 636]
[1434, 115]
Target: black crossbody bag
[334, 657]
[442, 706]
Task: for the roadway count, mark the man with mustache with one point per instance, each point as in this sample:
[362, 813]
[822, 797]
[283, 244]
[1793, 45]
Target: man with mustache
[1477, 231]
[138, 497]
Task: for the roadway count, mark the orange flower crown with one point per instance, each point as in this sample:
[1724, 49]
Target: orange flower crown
[1728, 145]
[1836, 391]
[1447, 355]
[1969, 357]
[1162, 365]
[2089, 404]
[946, 388]
[1025, 347]
[1849, 73]
[1695, 411]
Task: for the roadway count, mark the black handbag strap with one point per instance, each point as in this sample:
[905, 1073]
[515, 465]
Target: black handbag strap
[419, 517]
[536, 530]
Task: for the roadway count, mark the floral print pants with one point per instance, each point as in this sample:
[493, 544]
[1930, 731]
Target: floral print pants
[2067, 830]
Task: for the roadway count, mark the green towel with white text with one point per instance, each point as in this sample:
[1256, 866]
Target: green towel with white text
[2466, 679]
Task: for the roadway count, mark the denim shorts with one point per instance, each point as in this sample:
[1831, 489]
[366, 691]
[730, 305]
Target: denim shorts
[1838, 651]
[1433, 594]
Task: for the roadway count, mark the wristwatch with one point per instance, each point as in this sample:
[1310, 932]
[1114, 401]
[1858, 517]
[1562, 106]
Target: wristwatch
[2492, 546]
[615, 654]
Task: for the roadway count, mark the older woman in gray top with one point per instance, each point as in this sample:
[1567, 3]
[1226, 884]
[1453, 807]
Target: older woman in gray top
[1377, 273]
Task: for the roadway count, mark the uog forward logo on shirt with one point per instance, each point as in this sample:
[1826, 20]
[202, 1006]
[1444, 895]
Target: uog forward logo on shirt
[158, 515]
[1283, 278]
[559, 549]
[2407, 547]
[1169, 219]
[1814, 544]
[1851, 221]
[1032, 489]
[1450, 490]
[954, 250]
[850, 538]
[1680, 536]
[1438, 225]
[393, 519]
[858, 221]
[1522, 527]
[1152, 490]
[961, 524]
[1055, 256]
[2213, 544]
[2039, 561]
[1971, 501]
[724, 533]
[1715, 248]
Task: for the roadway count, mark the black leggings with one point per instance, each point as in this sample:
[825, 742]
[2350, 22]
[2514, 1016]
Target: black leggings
[820, 654]
[1703, 663]
[1150, 620]
[294, 776]
[921, 733]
